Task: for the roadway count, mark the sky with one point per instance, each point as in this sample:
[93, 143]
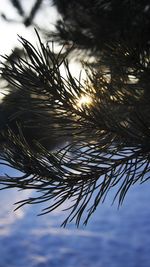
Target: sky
[9, 31]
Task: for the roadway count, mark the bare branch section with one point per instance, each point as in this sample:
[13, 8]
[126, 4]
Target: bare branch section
[75, 141]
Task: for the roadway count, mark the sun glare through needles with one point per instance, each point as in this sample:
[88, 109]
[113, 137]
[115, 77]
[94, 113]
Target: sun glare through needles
[83, 101]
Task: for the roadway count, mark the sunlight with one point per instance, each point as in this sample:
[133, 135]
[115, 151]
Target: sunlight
[84, 100]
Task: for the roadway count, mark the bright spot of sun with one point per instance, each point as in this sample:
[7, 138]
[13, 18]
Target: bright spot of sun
[84, 100]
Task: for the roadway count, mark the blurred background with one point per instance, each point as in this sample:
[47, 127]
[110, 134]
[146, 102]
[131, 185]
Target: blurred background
[113, 237]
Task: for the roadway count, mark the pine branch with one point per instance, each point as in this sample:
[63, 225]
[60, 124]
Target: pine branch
[28, 21]
[91, 25]
[107, 140]
[18, 6]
